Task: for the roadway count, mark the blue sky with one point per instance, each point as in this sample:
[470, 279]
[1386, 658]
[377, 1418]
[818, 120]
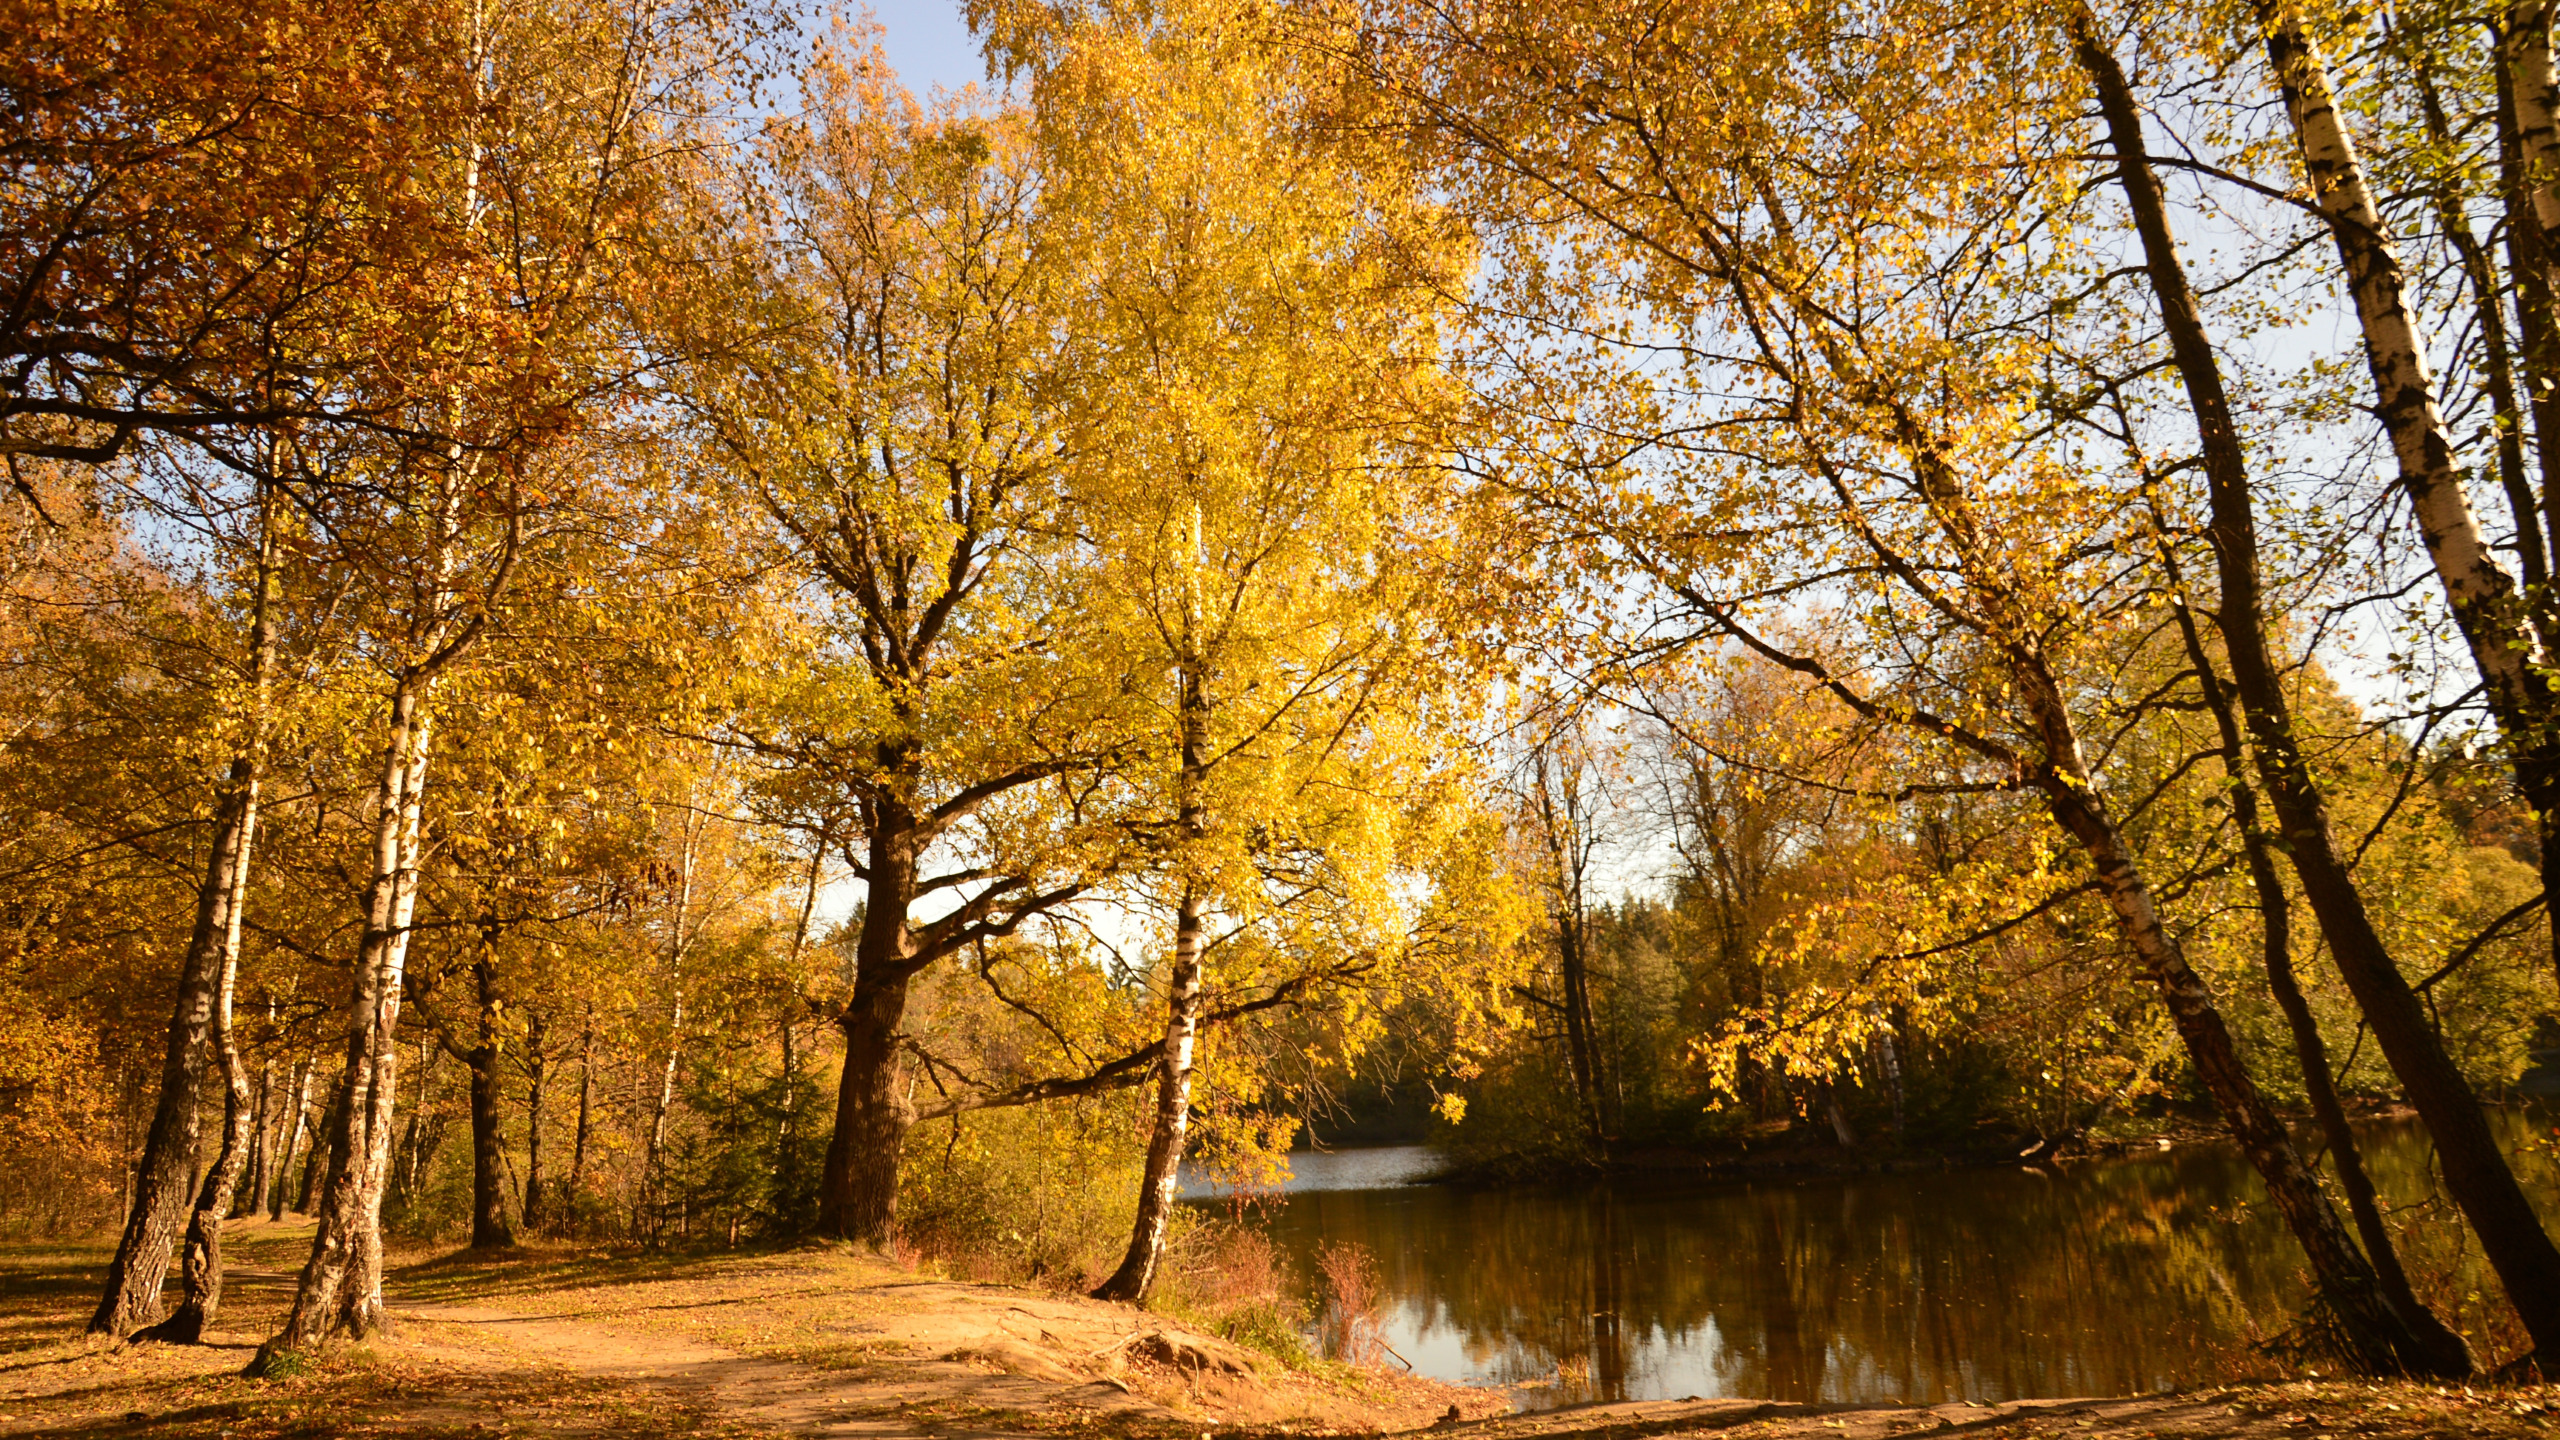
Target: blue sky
[929, 44]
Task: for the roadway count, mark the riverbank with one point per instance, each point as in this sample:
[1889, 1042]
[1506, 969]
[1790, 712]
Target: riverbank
[1803, 1151]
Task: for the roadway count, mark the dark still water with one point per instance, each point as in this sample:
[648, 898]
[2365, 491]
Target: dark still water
[2109, 1277]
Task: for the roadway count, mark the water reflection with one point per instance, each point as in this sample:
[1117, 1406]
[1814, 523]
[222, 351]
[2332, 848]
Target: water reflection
[1375, 1168]
[2105, 1278]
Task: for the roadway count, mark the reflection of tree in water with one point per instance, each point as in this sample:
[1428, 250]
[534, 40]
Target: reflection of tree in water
[2107, 1279]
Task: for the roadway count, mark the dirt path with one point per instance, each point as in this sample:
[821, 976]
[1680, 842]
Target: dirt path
[815, 1342]
[770, 1394]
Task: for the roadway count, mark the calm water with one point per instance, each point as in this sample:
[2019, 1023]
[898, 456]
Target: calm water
[2103, 1278]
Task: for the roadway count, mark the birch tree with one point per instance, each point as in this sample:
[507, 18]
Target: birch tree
[1256, 316]
[577, 117]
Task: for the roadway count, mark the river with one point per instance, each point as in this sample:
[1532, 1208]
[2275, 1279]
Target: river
[2099, 1278]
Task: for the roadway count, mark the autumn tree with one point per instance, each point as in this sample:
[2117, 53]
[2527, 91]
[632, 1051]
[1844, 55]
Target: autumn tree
[896, 421]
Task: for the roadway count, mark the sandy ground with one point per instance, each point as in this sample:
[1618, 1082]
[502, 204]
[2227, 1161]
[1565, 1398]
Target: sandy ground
[819, 1342]
[803, 1342]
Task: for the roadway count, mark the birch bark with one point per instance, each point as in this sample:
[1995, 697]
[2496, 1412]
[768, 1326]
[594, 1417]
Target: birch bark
[2524, 44]
[1161, 1184]
[296, 1128]
[340, 1292]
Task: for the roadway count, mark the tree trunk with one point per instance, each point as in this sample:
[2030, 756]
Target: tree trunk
[160, 1186]
[2488, 308]
[2300, 806]
[2362, 1324]
[537, 1198]
[295, 1128]
[586, 1114]
[2446, 1354]
[2505, 648]
[858, 1190]
[678, 942]
[1582, 1053]
[203, 1266]
[2379, 1340]
[653, 1162]
[786, 1163]
[1163, 1179]
[340, 1292]
[161, 1183]
[2533, 264]
[421, 1135]
[2530, 266]
[2533, 93]
[316, 1161]
[2497, 619]
[246, 1198]
[2482, 596]
[1888, 1057]
[785, 1174]
[1561, 816]
[488, 1163]
[1834, 1112]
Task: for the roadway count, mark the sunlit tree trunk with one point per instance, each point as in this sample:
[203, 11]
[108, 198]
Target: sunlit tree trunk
[2528, 171]
[1160, 1185]
[2529, 266]
[2505, 648]
[2497, 355]
[653, 1161]
[2377, 1338]
[2446, 1353]
[787, 1177]
[2381, 1340]
[1161, 1182]
[340, 1292]
[291, 1133]
[160, 1185]
[2533, 92]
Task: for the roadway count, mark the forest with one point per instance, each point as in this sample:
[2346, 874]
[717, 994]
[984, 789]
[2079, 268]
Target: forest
[617, 630]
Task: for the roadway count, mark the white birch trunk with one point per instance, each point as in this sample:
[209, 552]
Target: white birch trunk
[341, 1286]
[2526, 49]
[2483, 596]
